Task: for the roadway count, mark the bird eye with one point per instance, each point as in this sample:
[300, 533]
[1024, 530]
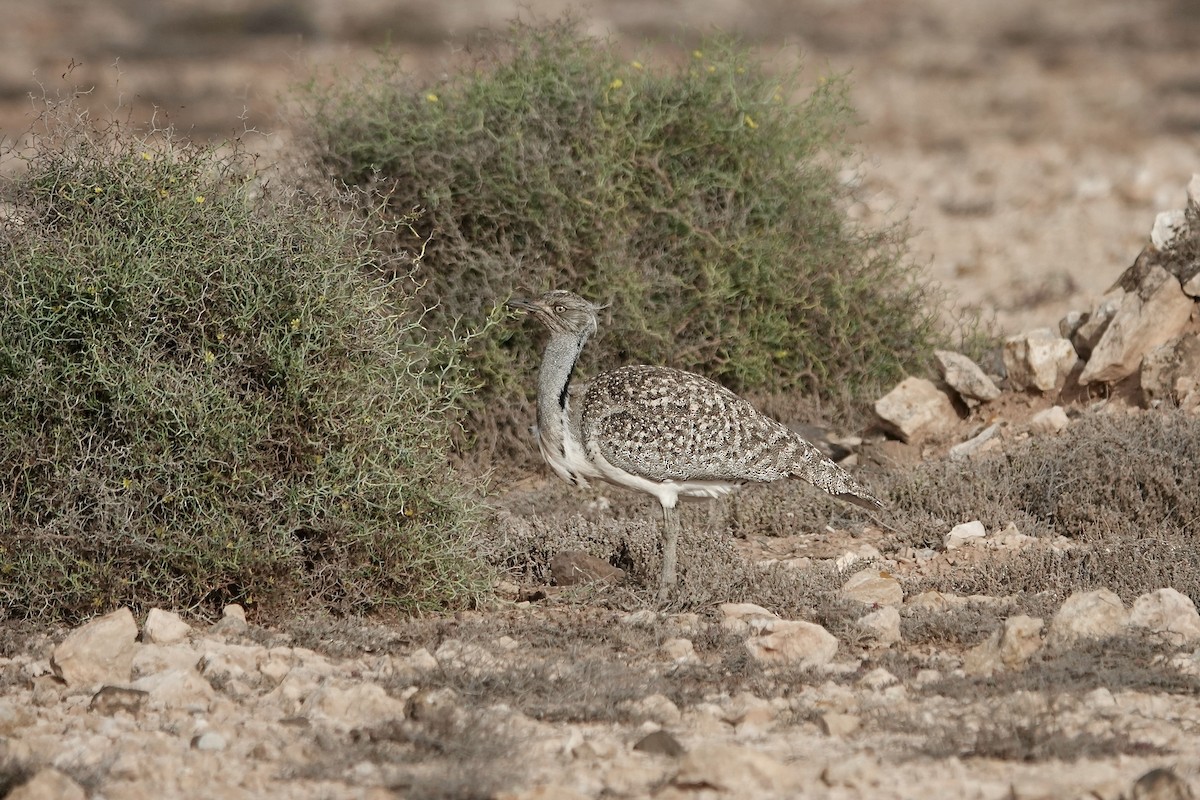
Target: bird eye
[560, 309]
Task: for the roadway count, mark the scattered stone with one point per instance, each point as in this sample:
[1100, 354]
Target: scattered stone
[548, 791]
[1168, 227]
[575, 567]
[936, 601]
[832, 723]
[152, 658]
[883, 625]
[966, 378]
[1100, 699]
[457, 654]
[680, 651]
[1038, 359]
[181, 689]
[874, 587]
[1148, 317]
[747, 710]
[48, 784]
[894, 453]
[1161, 784]
[1069, 325]
[1009, 538]
[164, 627]
[738, 771]
[233, 620]
[1092, 326]
[1049, 420]
[421, 660]
[359, 705]
[916, 409]
[209, 741]
[1169, 613]
[977, 443]
[877, 679]
[112, 699]
[1009, 649]
[657, 708]
[642, 618]
[224, 664]
[794, 643]
[99, 652]
[1021, 639]
[745, 618]
[1096, 614]
[659, 743]
[963, 534]
[433, 706]
[1170, 372]
[859, 771]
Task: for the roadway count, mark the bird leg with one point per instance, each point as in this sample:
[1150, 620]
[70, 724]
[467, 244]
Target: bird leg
[670, 540]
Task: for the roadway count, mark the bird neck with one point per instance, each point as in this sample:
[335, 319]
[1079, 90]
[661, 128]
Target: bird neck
[554, 380]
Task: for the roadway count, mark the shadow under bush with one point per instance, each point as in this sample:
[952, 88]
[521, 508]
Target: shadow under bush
[700, 202]
[203, 401]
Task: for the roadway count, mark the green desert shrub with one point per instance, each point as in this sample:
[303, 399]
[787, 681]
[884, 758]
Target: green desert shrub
[202, 398]
[700, 201]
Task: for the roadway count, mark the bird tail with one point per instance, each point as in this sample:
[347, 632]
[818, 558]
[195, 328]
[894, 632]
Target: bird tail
[861, 498]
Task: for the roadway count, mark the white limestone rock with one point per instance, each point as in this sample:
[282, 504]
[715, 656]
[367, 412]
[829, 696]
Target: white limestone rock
[793, 643]
[164, 627]
[1170, 372]
[873, 586]
[1049, 420]
[101, 651]
[916, 409]
[965, 377]
[963, 534]
[1097, 614]
[883, 625]
[1169, 613]
[1168, 227]
[1038, 359]
[1147, 318]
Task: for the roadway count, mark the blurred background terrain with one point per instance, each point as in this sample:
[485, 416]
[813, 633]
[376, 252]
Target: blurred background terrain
[1030, 144]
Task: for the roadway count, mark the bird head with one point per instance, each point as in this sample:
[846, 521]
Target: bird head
[560, 311]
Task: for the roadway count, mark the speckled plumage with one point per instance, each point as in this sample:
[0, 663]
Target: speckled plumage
[667, 424]
[658, 430]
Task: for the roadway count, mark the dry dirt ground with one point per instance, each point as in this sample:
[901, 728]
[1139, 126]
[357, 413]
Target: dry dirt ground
[1031, 145]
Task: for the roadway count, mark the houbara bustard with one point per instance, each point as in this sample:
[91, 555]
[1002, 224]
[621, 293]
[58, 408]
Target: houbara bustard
[661, 431]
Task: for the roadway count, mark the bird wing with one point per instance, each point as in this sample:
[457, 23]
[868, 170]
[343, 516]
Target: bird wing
[668, 425]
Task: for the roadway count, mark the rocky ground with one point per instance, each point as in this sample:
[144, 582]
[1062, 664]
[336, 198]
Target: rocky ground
[1032, 146]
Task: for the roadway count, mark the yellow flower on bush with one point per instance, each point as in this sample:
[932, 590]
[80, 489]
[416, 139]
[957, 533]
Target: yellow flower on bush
[697, 54]
[431, 97]
[617, 83]
[749, 121]
[209, 357]
[199, 198]
[636, 65]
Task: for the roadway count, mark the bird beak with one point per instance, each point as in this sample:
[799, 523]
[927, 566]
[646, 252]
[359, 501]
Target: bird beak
[521, 304]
